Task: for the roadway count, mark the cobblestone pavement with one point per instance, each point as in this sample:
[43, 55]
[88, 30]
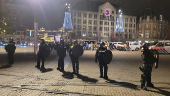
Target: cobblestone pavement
[23, 79]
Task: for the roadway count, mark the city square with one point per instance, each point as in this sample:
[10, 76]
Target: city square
[84, 47]
[123, 72]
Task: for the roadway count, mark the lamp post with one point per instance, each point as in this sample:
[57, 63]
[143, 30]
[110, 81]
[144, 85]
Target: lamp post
[35, 28]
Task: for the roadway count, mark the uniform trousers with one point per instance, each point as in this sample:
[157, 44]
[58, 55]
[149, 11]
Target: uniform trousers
[146, 75]
[11, 57]
[38, 61]
[75, 64]
[102, 66]
[61, 63]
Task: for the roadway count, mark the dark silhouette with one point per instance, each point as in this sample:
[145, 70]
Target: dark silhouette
[87, 79]
[123, 84]
[40, 54]
[68, 75]
[61, 52]
[75, 52]
[10, 48]
[146, 68]
[100, 58]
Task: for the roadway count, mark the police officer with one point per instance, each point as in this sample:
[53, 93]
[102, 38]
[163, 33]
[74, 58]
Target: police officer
[61, 51]
[40, 54]
[100, 58]
[10, 48]
[75, 60]
[146, 68]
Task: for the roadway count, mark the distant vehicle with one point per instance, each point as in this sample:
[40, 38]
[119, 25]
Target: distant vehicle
[134, 46]
[153, 43]
[122, 47]
[24, 44]
[116, 44]
[4, 44]
[162, 47]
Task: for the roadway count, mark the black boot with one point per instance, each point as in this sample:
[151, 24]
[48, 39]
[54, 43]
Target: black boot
[149, 84]
[37, 67]
[142, 81]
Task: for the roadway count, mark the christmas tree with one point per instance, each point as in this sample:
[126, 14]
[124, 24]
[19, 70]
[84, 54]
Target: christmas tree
[67, 21]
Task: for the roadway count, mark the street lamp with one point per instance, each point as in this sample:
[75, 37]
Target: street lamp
[120, 15]
[35, 28]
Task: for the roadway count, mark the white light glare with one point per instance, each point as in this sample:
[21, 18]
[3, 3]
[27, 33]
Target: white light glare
[120, 10]
[66, 3]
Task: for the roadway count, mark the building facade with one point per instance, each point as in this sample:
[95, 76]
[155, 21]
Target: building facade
[98, 22]
[15, 17]
[150, 28]
[163, 28]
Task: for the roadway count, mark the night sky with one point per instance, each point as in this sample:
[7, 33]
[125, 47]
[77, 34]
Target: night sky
[51, 12]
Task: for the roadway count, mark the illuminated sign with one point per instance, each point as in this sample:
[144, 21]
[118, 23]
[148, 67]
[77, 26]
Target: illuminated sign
[57, 38]
[119, 25]
[30, 33]
[107, 12]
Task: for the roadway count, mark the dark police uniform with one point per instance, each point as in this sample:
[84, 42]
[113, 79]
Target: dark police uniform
[62, 54]
[146, 68]
[100, 57]
[40, 55]
[10, 48]
[75, 61]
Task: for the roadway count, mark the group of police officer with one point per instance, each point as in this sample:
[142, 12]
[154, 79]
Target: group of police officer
[75, 51]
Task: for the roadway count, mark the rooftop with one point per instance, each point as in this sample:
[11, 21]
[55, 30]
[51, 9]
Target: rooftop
[89, 5]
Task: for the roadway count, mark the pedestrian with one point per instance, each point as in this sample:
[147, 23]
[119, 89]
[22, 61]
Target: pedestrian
[40, 54]
[99, 57]
[111, 46]
[92, 46]
[84, 45]
[61, 51]
[87, 45]
[95, 45]
[75, 58]
[10, 48]
[146, 68]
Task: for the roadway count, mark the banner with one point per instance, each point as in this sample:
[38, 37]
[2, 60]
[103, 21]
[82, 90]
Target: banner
[57, 38]
[119, 25]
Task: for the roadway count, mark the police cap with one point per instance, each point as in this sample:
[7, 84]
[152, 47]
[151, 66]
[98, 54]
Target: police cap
[102, 43]
[146, 45]
[75, 42]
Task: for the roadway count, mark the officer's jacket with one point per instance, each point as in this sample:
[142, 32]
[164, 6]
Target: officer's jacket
[100, 53]
[42, 48]
[148, 57]
[70, 51]
[10, 47]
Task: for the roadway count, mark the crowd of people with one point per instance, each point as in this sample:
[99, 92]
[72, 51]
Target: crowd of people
[76, 50]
